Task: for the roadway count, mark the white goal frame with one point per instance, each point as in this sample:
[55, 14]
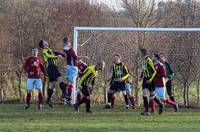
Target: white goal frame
[125, 29]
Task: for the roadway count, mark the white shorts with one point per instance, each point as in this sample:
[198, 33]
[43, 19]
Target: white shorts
[128, 88]
[32, 83]
[160, 91]
[71, 73]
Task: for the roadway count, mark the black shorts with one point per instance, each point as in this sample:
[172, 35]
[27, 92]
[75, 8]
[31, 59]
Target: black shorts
[85, 91]
[53, 73]
[118, 86]
[150, 87]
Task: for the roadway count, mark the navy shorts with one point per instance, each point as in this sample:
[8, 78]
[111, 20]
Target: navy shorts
[118, 86]
[53, 73]
[85, 91]
[150, 87]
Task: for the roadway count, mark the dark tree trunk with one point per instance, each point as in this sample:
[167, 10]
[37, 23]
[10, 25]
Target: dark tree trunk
[187, 96]
[184, 95]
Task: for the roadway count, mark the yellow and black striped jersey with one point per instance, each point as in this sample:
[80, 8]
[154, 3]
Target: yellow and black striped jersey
[88, 76]
[49, 56]
[148, 69]
[119, 71]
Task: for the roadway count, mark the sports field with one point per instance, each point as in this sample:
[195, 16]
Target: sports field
[14, 118]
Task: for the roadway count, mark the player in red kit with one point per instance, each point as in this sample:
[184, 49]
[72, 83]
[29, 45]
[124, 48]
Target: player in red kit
[72, 67]
[160, 84]
[33, 67]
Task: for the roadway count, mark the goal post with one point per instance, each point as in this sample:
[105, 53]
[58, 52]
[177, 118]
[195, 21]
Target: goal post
[124, 29]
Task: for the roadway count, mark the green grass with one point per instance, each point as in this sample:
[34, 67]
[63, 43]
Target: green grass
[62, 118]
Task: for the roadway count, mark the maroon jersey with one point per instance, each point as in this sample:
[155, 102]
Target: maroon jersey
[81, 68]
[159, 75]
[33, 67]
[72, 58]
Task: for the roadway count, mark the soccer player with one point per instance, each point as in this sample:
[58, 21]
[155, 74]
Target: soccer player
[169, 77]
[160, 84]
[81, 68]
[119, 76]
[88, 77]
[50, 57]
[33, 67]
[128, 91]
[72, 66]
[148, 84]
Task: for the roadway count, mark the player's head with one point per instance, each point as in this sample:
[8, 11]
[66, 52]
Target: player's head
[156, 57]
[100, 65]
[34, 52]
[67, 42]
[143, 52]
[163, 57]
[116, 58]
[43, 44]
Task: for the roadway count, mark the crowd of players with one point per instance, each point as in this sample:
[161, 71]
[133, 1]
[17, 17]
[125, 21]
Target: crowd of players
[157, 76]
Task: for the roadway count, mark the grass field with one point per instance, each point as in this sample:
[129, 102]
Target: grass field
[62, 118]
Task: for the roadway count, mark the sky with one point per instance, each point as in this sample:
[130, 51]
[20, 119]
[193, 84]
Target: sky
[110, 3]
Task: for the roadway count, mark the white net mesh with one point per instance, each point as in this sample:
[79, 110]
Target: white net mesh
[181, 48]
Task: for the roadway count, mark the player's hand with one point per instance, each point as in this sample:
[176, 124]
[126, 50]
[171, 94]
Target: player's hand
[31, 73]
[148, 81]
[167, 79]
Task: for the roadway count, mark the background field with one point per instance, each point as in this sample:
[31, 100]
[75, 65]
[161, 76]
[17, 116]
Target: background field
[14, 118]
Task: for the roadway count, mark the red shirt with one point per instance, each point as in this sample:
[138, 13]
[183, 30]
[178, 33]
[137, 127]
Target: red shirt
[72, 58]
[159, 75]
[33, 67]
[81, 68]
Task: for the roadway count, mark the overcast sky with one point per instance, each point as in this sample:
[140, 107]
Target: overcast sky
[110, 3]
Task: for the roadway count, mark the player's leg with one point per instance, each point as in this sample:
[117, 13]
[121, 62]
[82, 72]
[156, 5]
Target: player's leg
[78, 97]
[111, 92]
[85, 99]
[38, 86]
[152, 105]
[170, 90]
[113, 101]
[62, 87]
[71, 75]
[145, 101]
[53, 75]
[145, 93]
[50, 91]
[131, 98]
[161, 94]
[125, 98]
[155, 98]
[29, 88]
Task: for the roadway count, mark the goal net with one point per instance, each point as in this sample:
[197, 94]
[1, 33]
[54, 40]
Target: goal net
[180, 45]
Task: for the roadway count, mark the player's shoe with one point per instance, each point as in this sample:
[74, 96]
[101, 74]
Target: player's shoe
[76, 107]
[89, 111]
[176, 108]
[145, 113]
[26, 106]
[107, 107]
[40, 106]
[160, 109]
[133, 107]
[50, 103]
[68, 101]
[127, 106]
